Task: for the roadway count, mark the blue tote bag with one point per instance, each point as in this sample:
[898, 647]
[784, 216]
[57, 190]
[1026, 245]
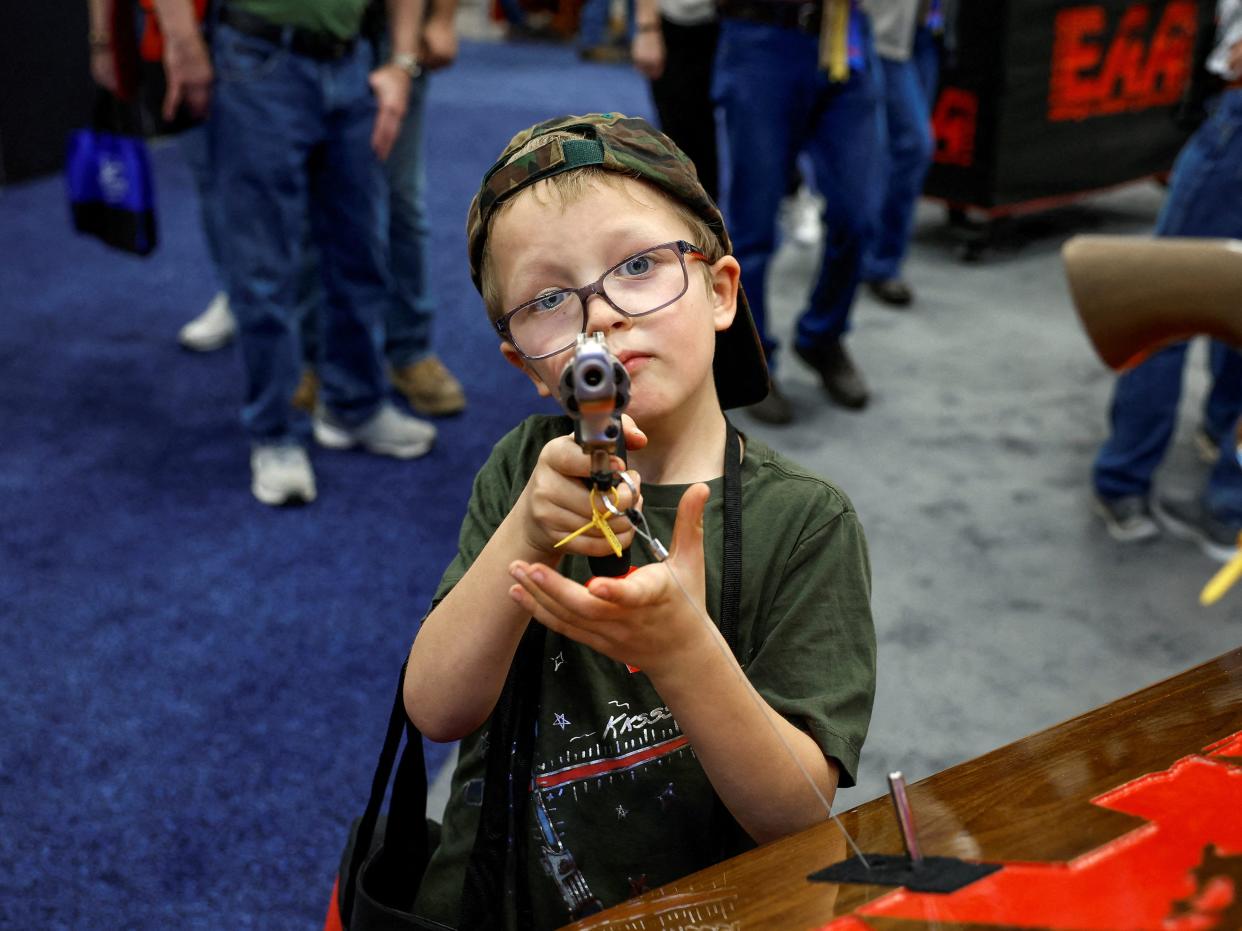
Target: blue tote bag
[108, 176]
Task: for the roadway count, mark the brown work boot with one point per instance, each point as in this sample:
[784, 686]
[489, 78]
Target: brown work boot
[430, 387]
[307, 392]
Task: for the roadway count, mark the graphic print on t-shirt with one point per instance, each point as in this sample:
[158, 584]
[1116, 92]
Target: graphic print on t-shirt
[622, 746]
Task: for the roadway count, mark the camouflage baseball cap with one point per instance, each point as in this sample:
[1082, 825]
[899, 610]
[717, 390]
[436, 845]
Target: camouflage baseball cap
[635, 148]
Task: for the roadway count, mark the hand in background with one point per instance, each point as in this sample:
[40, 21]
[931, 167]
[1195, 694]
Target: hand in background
[438, 48]
[1235, 60]
[391, 87]
[103, 67]
[647, 51]
[187, 68]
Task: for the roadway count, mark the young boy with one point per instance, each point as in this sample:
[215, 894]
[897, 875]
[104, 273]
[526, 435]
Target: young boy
[641, 717]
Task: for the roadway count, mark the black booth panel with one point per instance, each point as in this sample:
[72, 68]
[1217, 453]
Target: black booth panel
[1080, 96]
[45, 85]
[966, 109]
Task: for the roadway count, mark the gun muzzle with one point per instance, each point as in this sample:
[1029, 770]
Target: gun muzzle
[595, 390]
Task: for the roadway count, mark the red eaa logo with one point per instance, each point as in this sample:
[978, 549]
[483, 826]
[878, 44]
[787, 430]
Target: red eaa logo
[954, 122]
[1102, 65]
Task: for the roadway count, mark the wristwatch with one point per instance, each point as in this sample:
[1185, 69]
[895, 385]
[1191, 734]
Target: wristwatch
[407, 63]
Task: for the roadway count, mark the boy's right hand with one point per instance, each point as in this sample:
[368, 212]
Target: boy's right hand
[557, 500]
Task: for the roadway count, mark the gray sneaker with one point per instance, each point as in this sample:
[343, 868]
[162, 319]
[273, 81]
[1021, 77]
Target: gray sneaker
[281, 475]
[1127, 518]
[1190, 520]
[388, 433]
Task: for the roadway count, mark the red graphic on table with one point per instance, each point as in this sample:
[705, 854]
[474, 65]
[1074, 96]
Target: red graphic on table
[1181, 871]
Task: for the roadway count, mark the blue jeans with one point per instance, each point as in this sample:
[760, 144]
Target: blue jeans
[593, 23]
[777, 103]
[409, 311]
[909, 88]
[291, 141]
[407, 322]
[194, 149]
[1204, 199]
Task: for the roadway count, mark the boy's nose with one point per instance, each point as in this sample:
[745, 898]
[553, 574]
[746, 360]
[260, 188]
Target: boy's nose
[602, 316]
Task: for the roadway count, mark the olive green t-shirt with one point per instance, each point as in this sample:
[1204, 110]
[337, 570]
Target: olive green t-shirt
[617, 788]
[341, 18]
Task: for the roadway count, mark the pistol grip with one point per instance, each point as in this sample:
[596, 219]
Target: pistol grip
[611, 566]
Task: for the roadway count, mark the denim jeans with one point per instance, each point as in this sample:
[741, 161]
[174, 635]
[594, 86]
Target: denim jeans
[408, 313]
[593, 22]
[909, 88]
[408, 319]
[290, 141]
[194, 149]
[1204, 199]
[777, 103]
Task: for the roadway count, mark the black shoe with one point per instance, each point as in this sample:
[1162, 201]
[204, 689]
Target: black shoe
[1127, 518]
[1190, 520]
[892, 291]
[842, 381]
[774, 409]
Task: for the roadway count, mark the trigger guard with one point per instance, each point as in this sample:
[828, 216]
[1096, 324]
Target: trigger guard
[610, 507]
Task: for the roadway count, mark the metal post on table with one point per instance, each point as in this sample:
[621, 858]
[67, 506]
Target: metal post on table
[905, 818]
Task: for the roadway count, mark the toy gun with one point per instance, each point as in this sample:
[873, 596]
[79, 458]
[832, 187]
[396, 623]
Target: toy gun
[595, 390]
[1136, 296]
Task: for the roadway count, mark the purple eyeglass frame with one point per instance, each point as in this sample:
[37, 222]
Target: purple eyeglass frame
[584, 293]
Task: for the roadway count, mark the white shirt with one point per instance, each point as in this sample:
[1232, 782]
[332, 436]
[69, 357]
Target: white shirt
[688, 12]
[1228, 34]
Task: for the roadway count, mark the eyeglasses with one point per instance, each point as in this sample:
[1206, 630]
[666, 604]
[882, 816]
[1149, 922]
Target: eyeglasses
[645, 282]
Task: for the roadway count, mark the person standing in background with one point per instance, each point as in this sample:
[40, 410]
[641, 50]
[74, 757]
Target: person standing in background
[906, 39]
[802, 77]
[674, 47]
[1204, 199]
[415, 370]
[299, 123]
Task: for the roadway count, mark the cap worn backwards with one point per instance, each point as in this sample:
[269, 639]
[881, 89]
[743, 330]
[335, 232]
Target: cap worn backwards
[630, 146]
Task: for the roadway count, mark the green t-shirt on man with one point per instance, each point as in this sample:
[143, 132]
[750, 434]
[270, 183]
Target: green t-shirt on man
[340, 18]
[617, 788]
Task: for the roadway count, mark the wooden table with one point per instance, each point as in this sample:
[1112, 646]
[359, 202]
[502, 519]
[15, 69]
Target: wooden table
[1030, 801]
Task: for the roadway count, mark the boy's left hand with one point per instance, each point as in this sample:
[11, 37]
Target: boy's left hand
[643, 619]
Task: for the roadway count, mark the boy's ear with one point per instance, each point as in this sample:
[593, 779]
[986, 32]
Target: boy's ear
[726, 278]
[512, 357]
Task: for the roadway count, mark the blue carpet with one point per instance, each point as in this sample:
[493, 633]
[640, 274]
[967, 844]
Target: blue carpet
[195, 686]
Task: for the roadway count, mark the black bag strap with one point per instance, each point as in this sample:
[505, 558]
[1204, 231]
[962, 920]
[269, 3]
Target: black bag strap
[731, 572]
[409, 805]
[728, 837]
[113, 115]
[508, 763]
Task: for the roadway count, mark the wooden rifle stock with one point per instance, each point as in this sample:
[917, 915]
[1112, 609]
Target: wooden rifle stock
[1136, 295]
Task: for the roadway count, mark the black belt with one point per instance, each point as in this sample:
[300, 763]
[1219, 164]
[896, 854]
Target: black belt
[317, 45]
[805, 17]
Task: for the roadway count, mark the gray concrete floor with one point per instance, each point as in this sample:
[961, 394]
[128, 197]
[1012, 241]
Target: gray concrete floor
[1001, 605]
